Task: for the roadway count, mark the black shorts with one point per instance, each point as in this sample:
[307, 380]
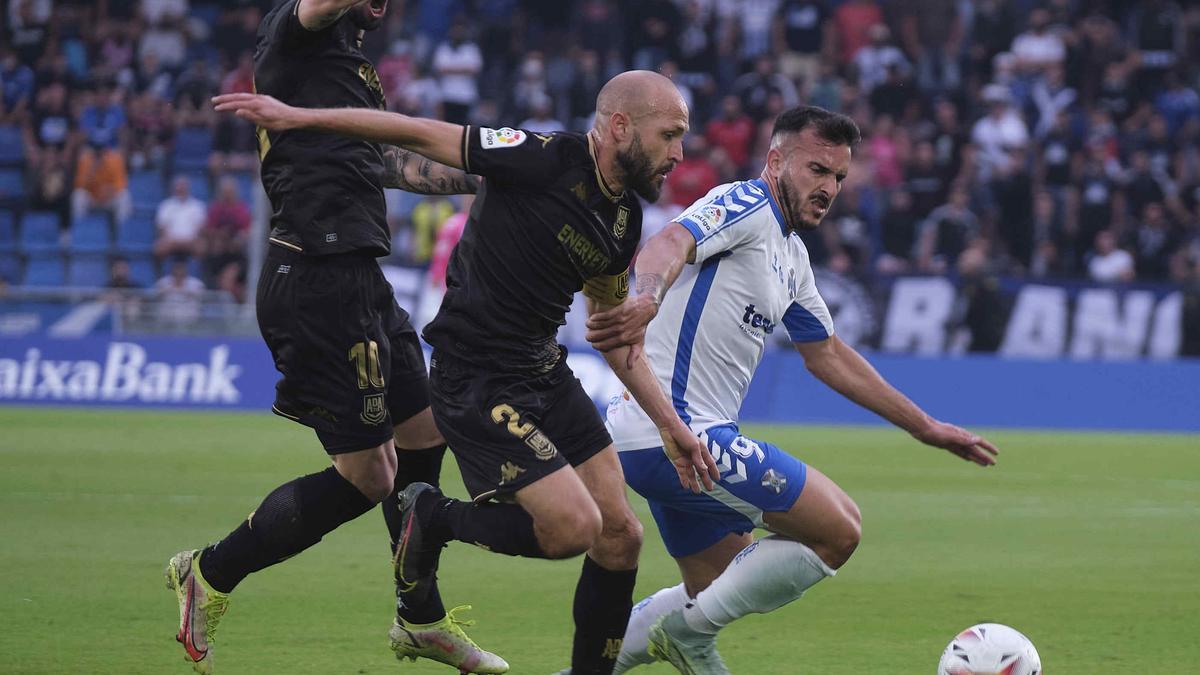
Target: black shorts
[508, 430]
[352, 364]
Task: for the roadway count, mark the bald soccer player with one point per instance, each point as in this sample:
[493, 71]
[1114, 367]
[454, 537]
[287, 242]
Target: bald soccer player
[556, 214]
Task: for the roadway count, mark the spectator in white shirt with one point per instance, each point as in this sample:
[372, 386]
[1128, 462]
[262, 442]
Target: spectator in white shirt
[1108, 263]
[457, 63]
[998, 133]
[873, 60]
[180, 296]
[541, 116]
[1039, 47]
[180, 220]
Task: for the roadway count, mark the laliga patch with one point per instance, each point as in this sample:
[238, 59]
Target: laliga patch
[707, 218]
[500, 138]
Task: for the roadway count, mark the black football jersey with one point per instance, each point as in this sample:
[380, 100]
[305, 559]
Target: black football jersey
[544, 226]
[326, 191]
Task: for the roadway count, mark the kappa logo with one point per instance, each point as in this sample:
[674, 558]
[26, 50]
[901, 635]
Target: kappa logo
[500, 138]
[509, 472]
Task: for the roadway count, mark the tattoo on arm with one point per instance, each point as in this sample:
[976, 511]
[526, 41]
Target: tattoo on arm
[406, 170]
[652, 285]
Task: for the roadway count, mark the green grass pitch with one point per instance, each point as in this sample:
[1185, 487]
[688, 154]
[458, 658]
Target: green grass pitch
[1089, 543]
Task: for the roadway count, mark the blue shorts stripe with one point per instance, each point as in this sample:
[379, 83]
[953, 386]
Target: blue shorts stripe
[687, 335]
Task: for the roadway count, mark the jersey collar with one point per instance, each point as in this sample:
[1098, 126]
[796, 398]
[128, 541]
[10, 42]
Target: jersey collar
[599, 176]
[762, 185]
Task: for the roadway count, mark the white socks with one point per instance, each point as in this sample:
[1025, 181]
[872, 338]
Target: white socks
[766, 575]
[645, 613]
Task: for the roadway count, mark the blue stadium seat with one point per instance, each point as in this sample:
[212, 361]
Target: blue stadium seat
[146, 188]
[199, 184]
[45, 270]
[39, 232]
[246, 184]
[92, 234]
[12, 148]
[88, 270]
[10, 267]
[135, 235]
[12, 186]
[192, 148]
[142, 270]
[8, 231]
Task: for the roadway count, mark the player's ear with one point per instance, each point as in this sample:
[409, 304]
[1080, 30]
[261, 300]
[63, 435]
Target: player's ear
[621, 127]
[775, 161]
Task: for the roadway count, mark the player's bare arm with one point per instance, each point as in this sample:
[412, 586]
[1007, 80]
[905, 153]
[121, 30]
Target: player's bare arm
[317, 15]
[437, 140]
[658, 266]
[406, 170]
[687, 453]
[838, 365]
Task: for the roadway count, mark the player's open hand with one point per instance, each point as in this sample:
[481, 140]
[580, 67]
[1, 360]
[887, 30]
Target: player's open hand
[959, 441]
[262, 110]
[622, 325]
[691, 459]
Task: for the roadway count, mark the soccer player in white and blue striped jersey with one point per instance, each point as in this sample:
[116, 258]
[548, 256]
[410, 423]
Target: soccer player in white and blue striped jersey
[737, 273]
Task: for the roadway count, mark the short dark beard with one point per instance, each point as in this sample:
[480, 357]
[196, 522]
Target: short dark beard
[792, 210]
[639, 174]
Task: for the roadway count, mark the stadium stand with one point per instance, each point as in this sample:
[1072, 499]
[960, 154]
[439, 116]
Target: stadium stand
[1012, 132]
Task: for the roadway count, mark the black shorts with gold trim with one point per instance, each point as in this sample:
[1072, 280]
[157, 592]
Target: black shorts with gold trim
[507, 430]
[351, 362]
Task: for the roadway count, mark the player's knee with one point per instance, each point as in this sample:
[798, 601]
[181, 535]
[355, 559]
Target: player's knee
[375, 486]
[849, 533]
[373, 472]
[570, 533]
[620, 542]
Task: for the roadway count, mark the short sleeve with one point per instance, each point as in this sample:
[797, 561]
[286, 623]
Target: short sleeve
[807, 319]
[285, 30]
[722, 219]
[608, 289]
[514, 155]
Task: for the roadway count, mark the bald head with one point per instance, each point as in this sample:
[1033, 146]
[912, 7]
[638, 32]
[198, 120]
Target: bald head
[639, 128]
[638, 93]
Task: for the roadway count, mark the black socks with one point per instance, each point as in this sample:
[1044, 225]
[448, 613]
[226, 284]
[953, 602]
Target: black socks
[503, 528]
[293, 517]
[603, 600]
[424, 603]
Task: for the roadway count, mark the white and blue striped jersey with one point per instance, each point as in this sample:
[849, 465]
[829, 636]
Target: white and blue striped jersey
[750, 278]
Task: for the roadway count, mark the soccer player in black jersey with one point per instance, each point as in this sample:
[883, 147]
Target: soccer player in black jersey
[352, 366]
[556, 214]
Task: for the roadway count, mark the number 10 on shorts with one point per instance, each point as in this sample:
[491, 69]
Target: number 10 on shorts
[365, 357]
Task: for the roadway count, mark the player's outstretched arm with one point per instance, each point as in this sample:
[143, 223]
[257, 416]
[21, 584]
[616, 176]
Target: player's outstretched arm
[683, 447]
[437, 140]
[838, 365]
[406, 170]
[658, 266]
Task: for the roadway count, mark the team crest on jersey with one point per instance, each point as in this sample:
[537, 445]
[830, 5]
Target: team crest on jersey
[500, 138]
[707, 218]
[774, 481]
[622, 223]
[374, 410]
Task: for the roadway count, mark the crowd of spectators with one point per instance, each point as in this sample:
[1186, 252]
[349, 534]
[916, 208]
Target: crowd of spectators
[1047, 137]
[102, 96]
[1040, 138]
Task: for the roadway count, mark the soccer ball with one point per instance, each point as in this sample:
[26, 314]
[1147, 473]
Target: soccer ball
[990, 649]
